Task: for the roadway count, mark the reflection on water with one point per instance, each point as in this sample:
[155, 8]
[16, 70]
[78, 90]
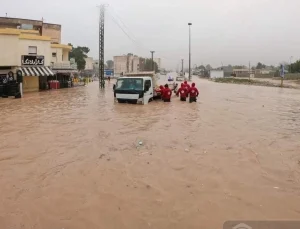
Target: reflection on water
[71, 159]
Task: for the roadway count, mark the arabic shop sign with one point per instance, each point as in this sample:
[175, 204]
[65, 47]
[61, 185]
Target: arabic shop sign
[32, 60]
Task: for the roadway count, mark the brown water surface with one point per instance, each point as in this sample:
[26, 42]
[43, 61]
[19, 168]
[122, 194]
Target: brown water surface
[71, 159]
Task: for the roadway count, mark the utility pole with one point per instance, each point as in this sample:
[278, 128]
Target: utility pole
[249, 71]
[152, 60]
[182, 67]
[189, 24]
[101, 47]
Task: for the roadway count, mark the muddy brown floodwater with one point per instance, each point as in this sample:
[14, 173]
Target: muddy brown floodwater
[71, 159]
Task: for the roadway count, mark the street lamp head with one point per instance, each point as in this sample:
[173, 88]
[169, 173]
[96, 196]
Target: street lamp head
[190, 23]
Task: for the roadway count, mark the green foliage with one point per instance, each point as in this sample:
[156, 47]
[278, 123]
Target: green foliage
[208, 67]
[295, 67]
[260, 66]
[79, 53]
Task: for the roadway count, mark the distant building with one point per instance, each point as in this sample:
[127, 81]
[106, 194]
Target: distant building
[244, 72]
[127, 64]
[216, 74]
[158, 62]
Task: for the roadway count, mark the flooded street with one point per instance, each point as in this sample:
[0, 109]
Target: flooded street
[71, 159]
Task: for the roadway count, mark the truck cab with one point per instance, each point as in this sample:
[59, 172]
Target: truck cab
[135, 88]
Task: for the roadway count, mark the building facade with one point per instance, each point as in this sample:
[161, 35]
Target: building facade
[158, 62]
[34, 48]
[45, 29]
[28, 52]
[128, 64]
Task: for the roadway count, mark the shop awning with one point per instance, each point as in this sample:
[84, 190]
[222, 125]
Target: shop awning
[36, 71]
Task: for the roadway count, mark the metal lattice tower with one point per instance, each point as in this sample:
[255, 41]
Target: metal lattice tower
[101, 47]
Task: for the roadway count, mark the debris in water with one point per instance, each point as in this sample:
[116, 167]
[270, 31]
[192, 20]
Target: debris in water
[140, 143]
[276, 187]
[101, 156]
[187, 150]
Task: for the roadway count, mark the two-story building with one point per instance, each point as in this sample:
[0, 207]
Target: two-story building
[33, 47]
[27, 51]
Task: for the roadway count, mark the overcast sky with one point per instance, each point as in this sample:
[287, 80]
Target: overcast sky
[229, 31]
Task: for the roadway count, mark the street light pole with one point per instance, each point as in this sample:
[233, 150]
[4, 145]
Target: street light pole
[189, 51]
[152, 59]
[291, 64]
[182, 67]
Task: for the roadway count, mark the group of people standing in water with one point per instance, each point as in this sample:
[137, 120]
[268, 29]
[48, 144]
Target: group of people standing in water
[184, 92]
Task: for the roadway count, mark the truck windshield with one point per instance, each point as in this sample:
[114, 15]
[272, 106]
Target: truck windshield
[129, 84]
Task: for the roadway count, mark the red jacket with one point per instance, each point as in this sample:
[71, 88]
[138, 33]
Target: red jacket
[161, 90]
[167, 93]
[187, 86]
[193, 92]
[183, 92]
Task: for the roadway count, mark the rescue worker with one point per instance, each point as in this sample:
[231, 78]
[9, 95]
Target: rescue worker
[193, 92]
[186, 85]
[167, 94]
[183, 92]
[161, 91]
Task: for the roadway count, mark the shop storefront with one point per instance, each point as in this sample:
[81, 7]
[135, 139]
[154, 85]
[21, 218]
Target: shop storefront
[35, 74]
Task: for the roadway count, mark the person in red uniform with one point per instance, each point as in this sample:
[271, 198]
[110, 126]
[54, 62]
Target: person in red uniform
[167, 94]
[186, 85]
[193, 92]
[161, 91]
[182, 92]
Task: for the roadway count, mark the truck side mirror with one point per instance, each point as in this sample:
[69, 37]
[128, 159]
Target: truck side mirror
[114, 87]
[147, 88]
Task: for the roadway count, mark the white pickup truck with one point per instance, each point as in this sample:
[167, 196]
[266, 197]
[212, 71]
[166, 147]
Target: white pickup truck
[136, 88]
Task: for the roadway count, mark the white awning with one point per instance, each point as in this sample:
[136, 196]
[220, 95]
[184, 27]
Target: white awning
[36, 71]
[31, 72]
[49, 70]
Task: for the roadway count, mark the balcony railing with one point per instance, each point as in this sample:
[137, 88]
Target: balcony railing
[62, 65]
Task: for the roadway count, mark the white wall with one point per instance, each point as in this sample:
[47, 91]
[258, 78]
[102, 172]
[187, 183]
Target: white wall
[89, 63]
[9, 55]
[43, 49]
[216, 74]
[59, 53]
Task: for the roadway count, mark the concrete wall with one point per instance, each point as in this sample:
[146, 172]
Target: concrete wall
[59, 55]
[53, 31]
[65, 55]
[216, 74]
[9, 55]
[45, 29]
[120, 64]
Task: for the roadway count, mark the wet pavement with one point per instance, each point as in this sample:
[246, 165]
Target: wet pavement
[74, 159]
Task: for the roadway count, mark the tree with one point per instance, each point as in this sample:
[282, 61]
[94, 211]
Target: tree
[110, 64]
[260, 66]
[208, 67]
[79, 53]
[295, 67]
[202, 67]
[148, 65]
